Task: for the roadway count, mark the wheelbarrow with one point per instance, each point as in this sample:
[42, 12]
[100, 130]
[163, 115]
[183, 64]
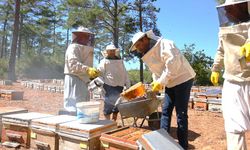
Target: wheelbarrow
[139, 108]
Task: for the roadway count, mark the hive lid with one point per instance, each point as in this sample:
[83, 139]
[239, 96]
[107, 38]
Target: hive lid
[25, 116]
[51, 122]
[86, 130]
[158, 139]
[8, 110]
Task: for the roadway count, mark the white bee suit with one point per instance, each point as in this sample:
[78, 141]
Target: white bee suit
[77, 59]
[236, 88]
[173, 68]
[114, 72]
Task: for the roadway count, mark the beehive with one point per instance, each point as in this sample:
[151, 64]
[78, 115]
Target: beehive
[44, 131]
[122, 138]
[16, 128]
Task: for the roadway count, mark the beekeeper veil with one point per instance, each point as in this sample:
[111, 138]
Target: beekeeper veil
[233, 12]
[139, 35]
[111, 47]
[83, 36]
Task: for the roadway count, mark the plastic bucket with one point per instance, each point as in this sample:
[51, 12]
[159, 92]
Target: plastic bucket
[88, 112]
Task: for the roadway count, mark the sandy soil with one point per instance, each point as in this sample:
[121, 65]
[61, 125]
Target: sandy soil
[206, 129]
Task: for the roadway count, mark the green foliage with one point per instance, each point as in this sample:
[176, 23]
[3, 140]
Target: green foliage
[3, 68]
[36, 66]
[200, 63]
[135, 74]
[220, 1]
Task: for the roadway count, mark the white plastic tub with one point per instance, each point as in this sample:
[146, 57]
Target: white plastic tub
[88, 112]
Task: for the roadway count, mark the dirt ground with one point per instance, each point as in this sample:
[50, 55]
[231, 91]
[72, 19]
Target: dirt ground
[206, 129]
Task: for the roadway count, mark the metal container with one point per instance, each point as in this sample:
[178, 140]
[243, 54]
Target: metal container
[8, 111]
[44, 132]
[16, 128]
[122, 138]
[77, 136]
[140, 108]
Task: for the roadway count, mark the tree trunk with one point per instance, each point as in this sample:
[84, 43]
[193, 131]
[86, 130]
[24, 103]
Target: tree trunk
[141, 62]
[116, 24]
[12, 61]
[20, 38]
[67, 42]
[4, 36]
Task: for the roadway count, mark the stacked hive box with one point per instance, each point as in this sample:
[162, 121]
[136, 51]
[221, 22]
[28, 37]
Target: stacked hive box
[44, 131]
[8, 111]
[11, 94]
[16, 128]
[76, 136]
[208, 99]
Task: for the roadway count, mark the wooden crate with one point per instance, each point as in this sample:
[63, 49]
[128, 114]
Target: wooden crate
[7, 111]
[43, 131]
[200, 104]
[11, 94]
[122, 138]
[214, 105]
[76, 136]
[16, 128]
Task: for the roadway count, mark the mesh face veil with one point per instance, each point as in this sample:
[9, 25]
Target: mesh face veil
[234, 13]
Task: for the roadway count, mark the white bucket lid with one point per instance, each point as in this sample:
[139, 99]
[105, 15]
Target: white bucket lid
[88, 104]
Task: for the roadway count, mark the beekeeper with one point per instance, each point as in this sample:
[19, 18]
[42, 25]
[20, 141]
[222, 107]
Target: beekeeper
[170, 69]
[115, 77]
[78, 68]
[233, 55]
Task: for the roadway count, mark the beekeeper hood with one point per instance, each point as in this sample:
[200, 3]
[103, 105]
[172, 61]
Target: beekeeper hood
[110, 48]
[233, 12]
[83, 36]
[150, 34]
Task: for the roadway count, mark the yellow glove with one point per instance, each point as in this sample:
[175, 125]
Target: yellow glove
[215, 78]
[245, 51]
[156, 86]
[92, 72]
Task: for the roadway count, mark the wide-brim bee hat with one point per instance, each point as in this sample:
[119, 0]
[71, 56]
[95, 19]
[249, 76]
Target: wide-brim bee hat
[111, 47]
